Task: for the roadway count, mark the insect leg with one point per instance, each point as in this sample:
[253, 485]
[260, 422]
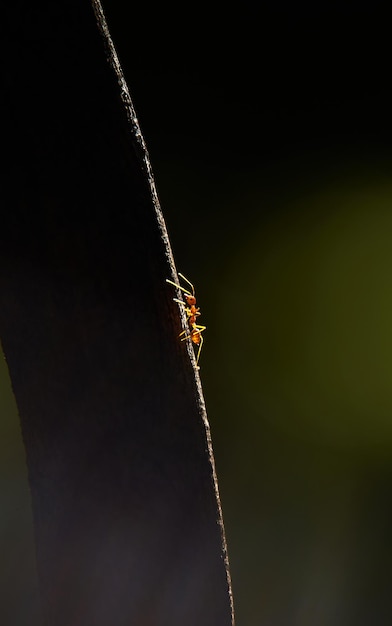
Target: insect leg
[199, 350]
[179, 287]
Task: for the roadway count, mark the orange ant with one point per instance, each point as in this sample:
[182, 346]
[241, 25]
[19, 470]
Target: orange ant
[192, 312]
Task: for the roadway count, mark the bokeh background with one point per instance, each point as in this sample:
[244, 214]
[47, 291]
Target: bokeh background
[270, 137]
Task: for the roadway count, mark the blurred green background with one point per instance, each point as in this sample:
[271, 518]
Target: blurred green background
[297, 372]
[270, 138]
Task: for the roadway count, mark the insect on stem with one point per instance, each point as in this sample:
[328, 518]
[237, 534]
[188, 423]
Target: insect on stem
[194, 332]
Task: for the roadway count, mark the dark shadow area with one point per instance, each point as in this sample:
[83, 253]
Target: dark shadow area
[127, 524]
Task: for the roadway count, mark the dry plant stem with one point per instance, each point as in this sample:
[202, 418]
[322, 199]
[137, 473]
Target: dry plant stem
[141, 148]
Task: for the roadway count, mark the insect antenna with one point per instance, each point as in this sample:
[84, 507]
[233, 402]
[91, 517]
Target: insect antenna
[189, 283]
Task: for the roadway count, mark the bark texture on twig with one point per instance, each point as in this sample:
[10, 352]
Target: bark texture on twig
[127, 517]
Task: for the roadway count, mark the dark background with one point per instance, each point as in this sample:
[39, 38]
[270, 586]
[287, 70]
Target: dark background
[270, 138]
